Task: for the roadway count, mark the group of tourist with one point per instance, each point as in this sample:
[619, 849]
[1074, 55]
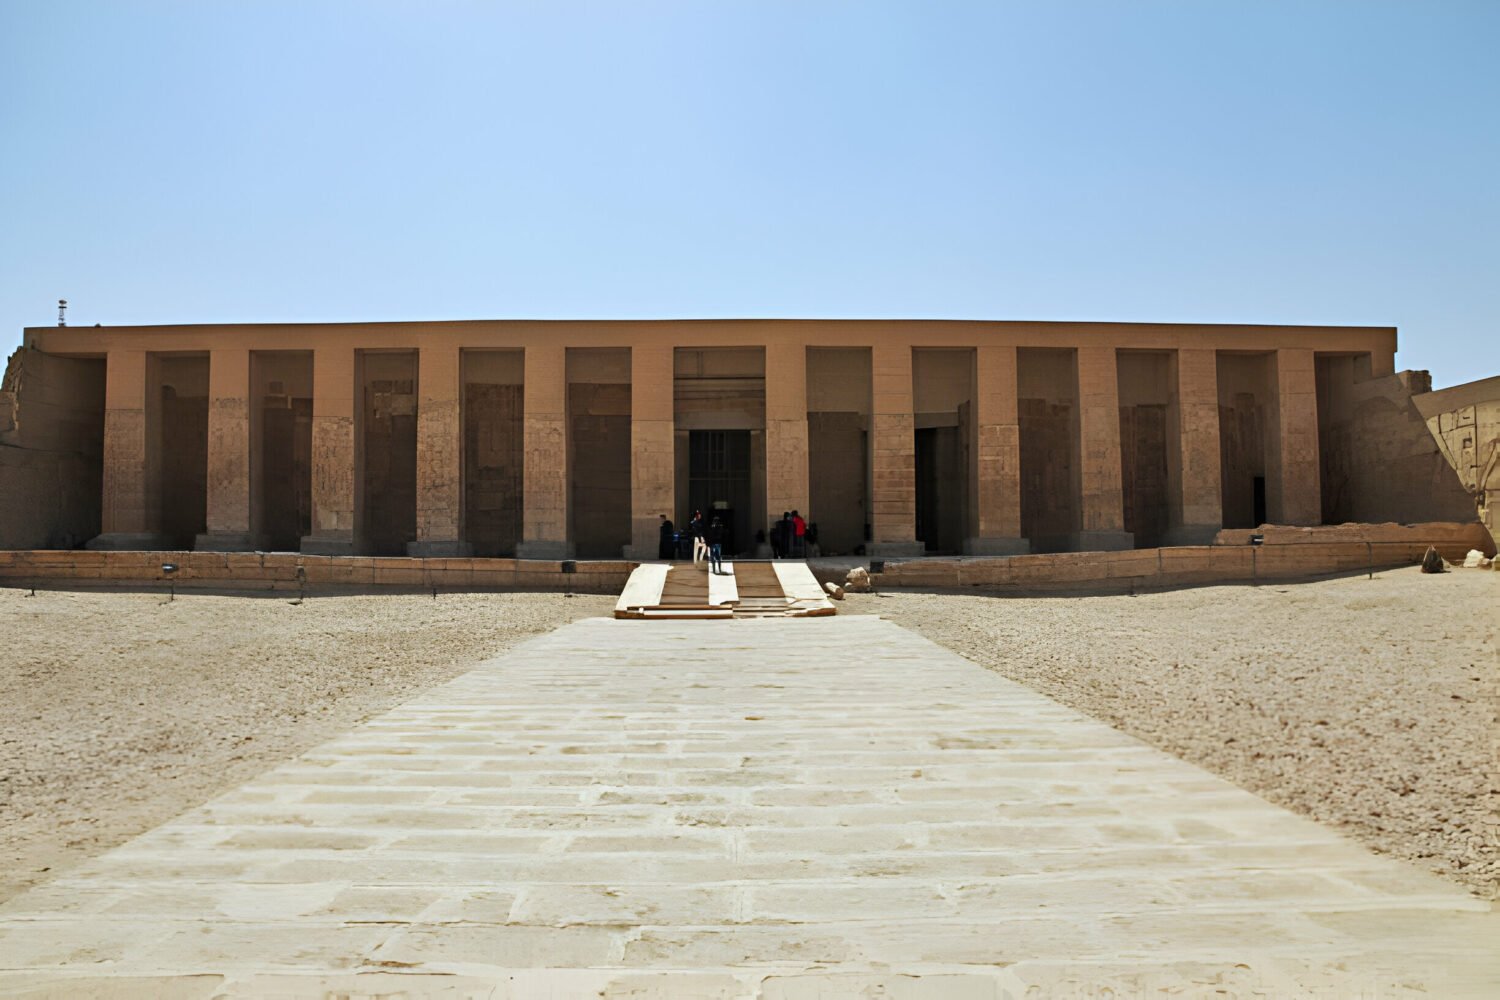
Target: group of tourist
[708, 541]
[790, 538]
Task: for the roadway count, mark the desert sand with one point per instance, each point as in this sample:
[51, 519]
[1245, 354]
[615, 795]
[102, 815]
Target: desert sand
[119, 710]
[1370, 705]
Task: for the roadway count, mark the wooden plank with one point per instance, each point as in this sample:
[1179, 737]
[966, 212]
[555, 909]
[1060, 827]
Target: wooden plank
[722, 587]
[643, 588]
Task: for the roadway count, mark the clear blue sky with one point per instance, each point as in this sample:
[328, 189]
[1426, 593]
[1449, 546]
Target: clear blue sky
[1299, 162]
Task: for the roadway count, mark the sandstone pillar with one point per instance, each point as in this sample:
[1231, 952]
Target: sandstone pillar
[1100, 488]
[999, 441]
[228, 516]
[1194, 479]
[335, 495]
[129, 511]
[786, 430]
[1293, 492]
[440, 476]
[652, 448]
[544, 474]
[893, 459]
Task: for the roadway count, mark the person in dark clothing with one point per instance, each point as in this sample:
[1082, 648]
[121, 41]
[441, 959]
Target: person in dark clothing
[784, 534]
[666, 544]
[715, 540]
[696, 528]
[775, 539]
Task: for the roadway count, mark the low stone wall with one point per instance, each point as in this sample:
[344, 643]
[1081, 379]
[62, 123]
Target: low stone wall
[278, 571]
[1287, 554]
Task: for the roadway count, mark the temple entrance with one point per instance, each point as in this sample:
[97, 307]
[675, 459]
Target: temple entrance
[719, 483]
[939, 504]
[719, 441]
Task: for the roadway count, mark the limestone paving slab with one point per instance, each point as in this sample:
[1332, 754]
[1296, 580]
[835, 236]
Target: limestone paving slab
[778, 808]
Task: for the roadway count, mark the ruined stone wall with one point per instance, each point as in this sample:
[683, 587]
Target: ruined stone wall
[1379, 463]
[1464, 422]
[51, 450]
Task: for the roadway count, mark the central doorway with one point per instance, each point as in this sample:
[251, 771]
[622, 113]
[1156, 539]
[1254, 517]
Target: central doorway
[719, 483]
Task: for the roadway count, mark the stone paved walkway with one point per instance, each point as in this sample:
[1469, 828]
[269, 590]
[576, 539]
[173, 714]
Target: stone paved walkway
[781, 809]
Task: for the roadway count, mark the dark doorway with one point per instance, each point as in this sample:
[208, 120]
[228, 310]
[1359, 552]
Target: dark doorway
[1260, 501]
[599, 442]
[719, 483]
[286, 477]
[390, 454]
[939, 489]
[1143, 465]
[837, 477]
[184, 466]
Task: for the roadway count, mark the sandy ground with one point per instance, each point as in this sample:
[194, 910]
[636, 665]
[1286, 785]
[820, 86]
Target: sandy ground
[118, 711]
[1368, 705]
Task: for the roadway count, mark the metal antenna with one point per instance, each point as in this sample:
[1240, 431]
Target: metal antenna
[62, 312]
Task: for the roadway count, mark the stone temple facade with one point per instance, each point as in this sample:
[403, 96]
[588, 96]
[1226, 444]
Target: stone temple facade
[555, 439]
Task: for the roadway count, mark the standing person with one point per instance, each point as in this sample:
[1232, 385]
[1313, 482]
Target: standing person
[695, 527]
[666, 542]
[784, 533]
[716, 546]
[799, 536]
[775, 539]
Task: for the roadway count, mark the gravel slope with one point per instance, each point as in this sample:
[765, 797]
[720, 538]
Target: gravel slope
[118, 711]
[1369, 705]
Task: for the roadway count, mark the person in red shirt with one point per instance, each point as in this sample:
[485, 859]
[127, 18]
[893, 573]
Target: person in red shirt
[799, 535]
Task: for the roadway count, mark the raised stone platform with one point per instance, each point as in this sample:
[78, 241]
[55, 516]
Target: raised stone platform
[750, 809]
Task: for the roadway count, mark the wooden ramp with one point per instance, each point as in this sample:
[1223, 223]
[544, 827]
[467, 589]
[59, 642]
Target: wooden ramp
[785, 589]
